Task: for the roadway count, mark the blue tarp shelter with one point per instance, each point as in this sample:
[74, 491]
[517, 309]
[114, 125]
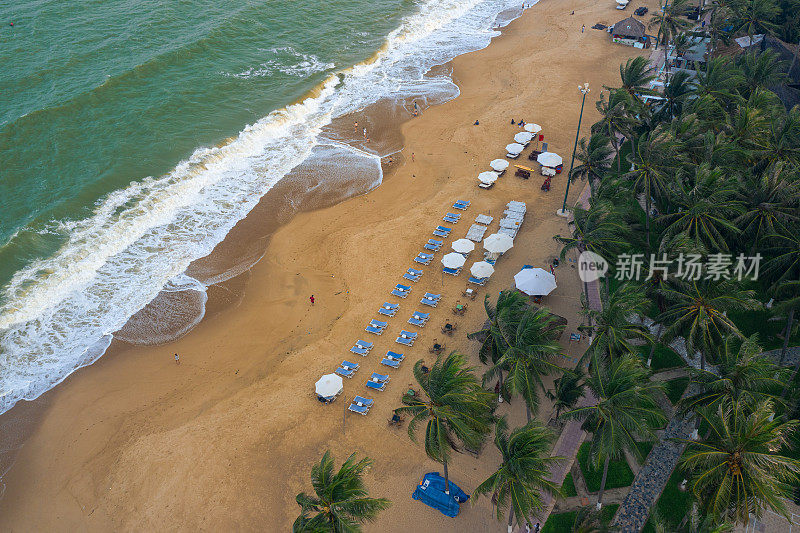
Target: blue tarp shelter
[431, 492]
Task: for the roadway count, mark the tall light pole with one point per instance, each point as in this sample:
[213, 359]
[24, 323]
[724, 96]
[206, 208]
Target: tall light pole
[584, 89]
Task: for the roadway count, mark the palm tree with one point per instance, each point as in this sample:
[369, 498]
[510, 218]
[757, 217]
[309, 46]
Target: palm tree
[457, 409]
[567, 390]
[613, 329]
[698, 311]
[676, 91]
[742, 374]
[594, 159]
[670, 22]
[340, 502]
[762, 69]
[511, 305]
[652, 158]
[531, 354]
[755, 16]
[770, 204]
[635, 76]
[519, 481]
[704, 208]
[588, 520]
[738, 469]
[615, 119]
[626, 410]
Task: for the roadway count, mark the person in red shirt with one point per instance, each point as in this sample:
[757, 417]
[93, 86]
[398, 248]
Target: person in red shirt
[312, 299]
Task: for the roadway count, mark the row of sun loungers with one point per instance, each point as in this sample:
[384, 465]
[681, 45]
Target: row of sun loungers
[360, 404]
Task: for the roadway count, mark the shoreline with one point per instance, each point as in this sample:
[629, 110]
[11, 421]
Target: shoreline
[146, 429]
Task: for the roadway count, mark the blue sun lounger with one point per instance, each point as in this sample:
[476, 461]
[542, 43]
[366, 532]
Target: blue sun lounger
[456, 216]
[390, 362]
[461, 204]
[423, 258]
[428, 301]
[405, 341]
[387, 312]
[477, 281]
[451, 271]
[409, 334]
[378, 323]
[399, 294]
[365, 344]
[402, 287]
[440, 233]
[444, 229]
[395, 356]
[450, 220]
[360, 409]
[376, 385]
[411, 277]
[416, 322]
[432, 296]
[358, 350]
[383, 378]
[374, 330]
[420, 315]
[433, 245]
[350, 366]
[345, 373]
[366, 402]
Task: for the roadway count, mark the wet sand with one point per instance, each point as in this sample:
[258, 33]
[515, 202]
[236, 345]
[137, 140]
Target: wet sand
[226, 439]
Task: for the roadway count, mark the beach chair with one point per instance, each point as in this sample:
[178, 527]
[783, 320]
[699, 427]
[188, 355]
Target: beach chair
[402, 287]
[358, 350]
[461, 204]
[416, 322]
[414, 272]
[378, 323]
[408, 334]
[358, 409]
[364, 344]
[429, 302]
[432, 296]
[444, 229]
[400, 294]
[411, 277]
[405, 341]
[394, 356]
[390, 362]
[345, 373]
[456, 216]
[374, 330]
[366, 402]
[451, 271]
[450, 220]
[433, 245]
[375, 385]
[477, 281]
[421, 315]
[387, 312]
[383, 378]
[423, 258]
[350, 366]
[440, 233]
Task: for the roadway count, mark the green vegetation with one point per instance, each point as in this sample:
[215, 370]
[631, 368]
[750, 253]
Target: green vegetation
[675, 388]
[568, 487]
[664, 357]
[559, 522]
[644, 449]
[619, 473]
[587, 517]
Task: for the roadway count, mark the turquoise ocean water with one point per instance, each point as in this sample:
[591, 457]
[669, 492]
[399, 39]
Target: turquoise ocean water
[135, 133]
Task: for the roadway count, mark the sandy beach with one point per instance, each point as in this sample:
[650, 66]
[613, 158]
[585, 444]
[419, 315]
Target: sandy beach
[226, 439]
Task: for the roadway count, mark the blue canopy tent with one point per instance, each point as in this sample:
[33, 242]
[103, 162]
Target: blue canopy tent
[431, 493]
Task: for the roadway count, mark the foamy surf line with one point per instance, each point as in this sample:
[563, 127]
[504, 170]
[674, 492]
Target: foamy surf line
[59, 314]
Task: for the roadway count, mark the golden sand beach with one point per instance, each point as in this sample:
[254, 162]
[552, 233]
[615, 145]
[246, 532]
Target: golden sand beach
[226, 439]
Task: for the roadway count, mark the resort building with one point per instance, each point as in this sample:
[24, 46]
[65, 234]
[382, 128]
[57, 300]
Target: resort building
[630, 32]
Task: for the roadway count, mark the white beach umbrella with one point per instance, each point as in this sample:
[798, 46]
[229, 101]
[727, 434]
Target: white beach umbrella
[454, 260]
[523, 137]
[549, 159]
[514, 148]
[482, 269]
[329, 385]
[463, 246]
[498, 243]
[533, 128]
[499, 165]
[622, 2]
[535, 281]
[487, 177]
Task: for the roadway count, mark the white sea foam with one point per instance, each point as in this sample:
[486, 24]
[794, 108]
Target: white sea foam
[287, 61]
[60, 313]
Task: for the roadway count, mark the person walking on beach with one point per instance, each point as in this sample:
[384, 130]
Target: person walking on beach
[365, 133]
[312, 299]
[583, 27]
[177, 359]
[355, 127]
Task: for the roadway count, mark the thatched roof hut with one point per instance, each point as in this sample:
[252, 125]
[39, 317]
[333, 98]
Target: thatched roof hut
[630, 31]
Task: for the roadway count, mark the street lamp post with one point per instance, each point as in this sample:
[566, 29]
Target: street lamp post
[584, 89]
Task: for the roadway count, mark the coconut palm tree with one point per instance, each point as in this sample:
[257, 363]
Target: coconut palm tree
[597, 229]
[670, 22]
[762, 69]
[743, 373]
[755, 16]
[635, 76]
[615, 119]
[613, 329]
[698, 312]
[626, 410]
[676, 92]
[531, 354]
[511, 305]
[738, 470]
[704, 207]
[454, 405]
[567, 390]
[593, 157]
[588, 520]
[769, 205]
[340, 502]
[519, 482]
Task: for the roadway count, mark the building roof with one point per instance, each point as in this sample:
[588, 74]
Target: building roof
[629, 27]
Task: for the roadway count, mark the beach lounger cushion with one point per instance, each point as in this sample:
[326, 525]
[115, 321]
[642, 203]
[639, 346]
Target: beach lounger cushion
[345, 373]
[358, 350]
[380, 377]
[432, 247]
[451, 271]
[422, 260]
[394, 355]
[376, 385]
[426, 301]
[378, 323]
[390, 362]
[358, 409]
[350, 366]
[365, 344]
[410, 334]
[421, 315]
[402, 287]
[416, 322]
[409, 277]
[360, 400]
[374, 330]
[387, 312]
[477, 281]
[441, 233]
[401, 294]
[415, 272]
[444, 229]
[404, 341]
[432, 296]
